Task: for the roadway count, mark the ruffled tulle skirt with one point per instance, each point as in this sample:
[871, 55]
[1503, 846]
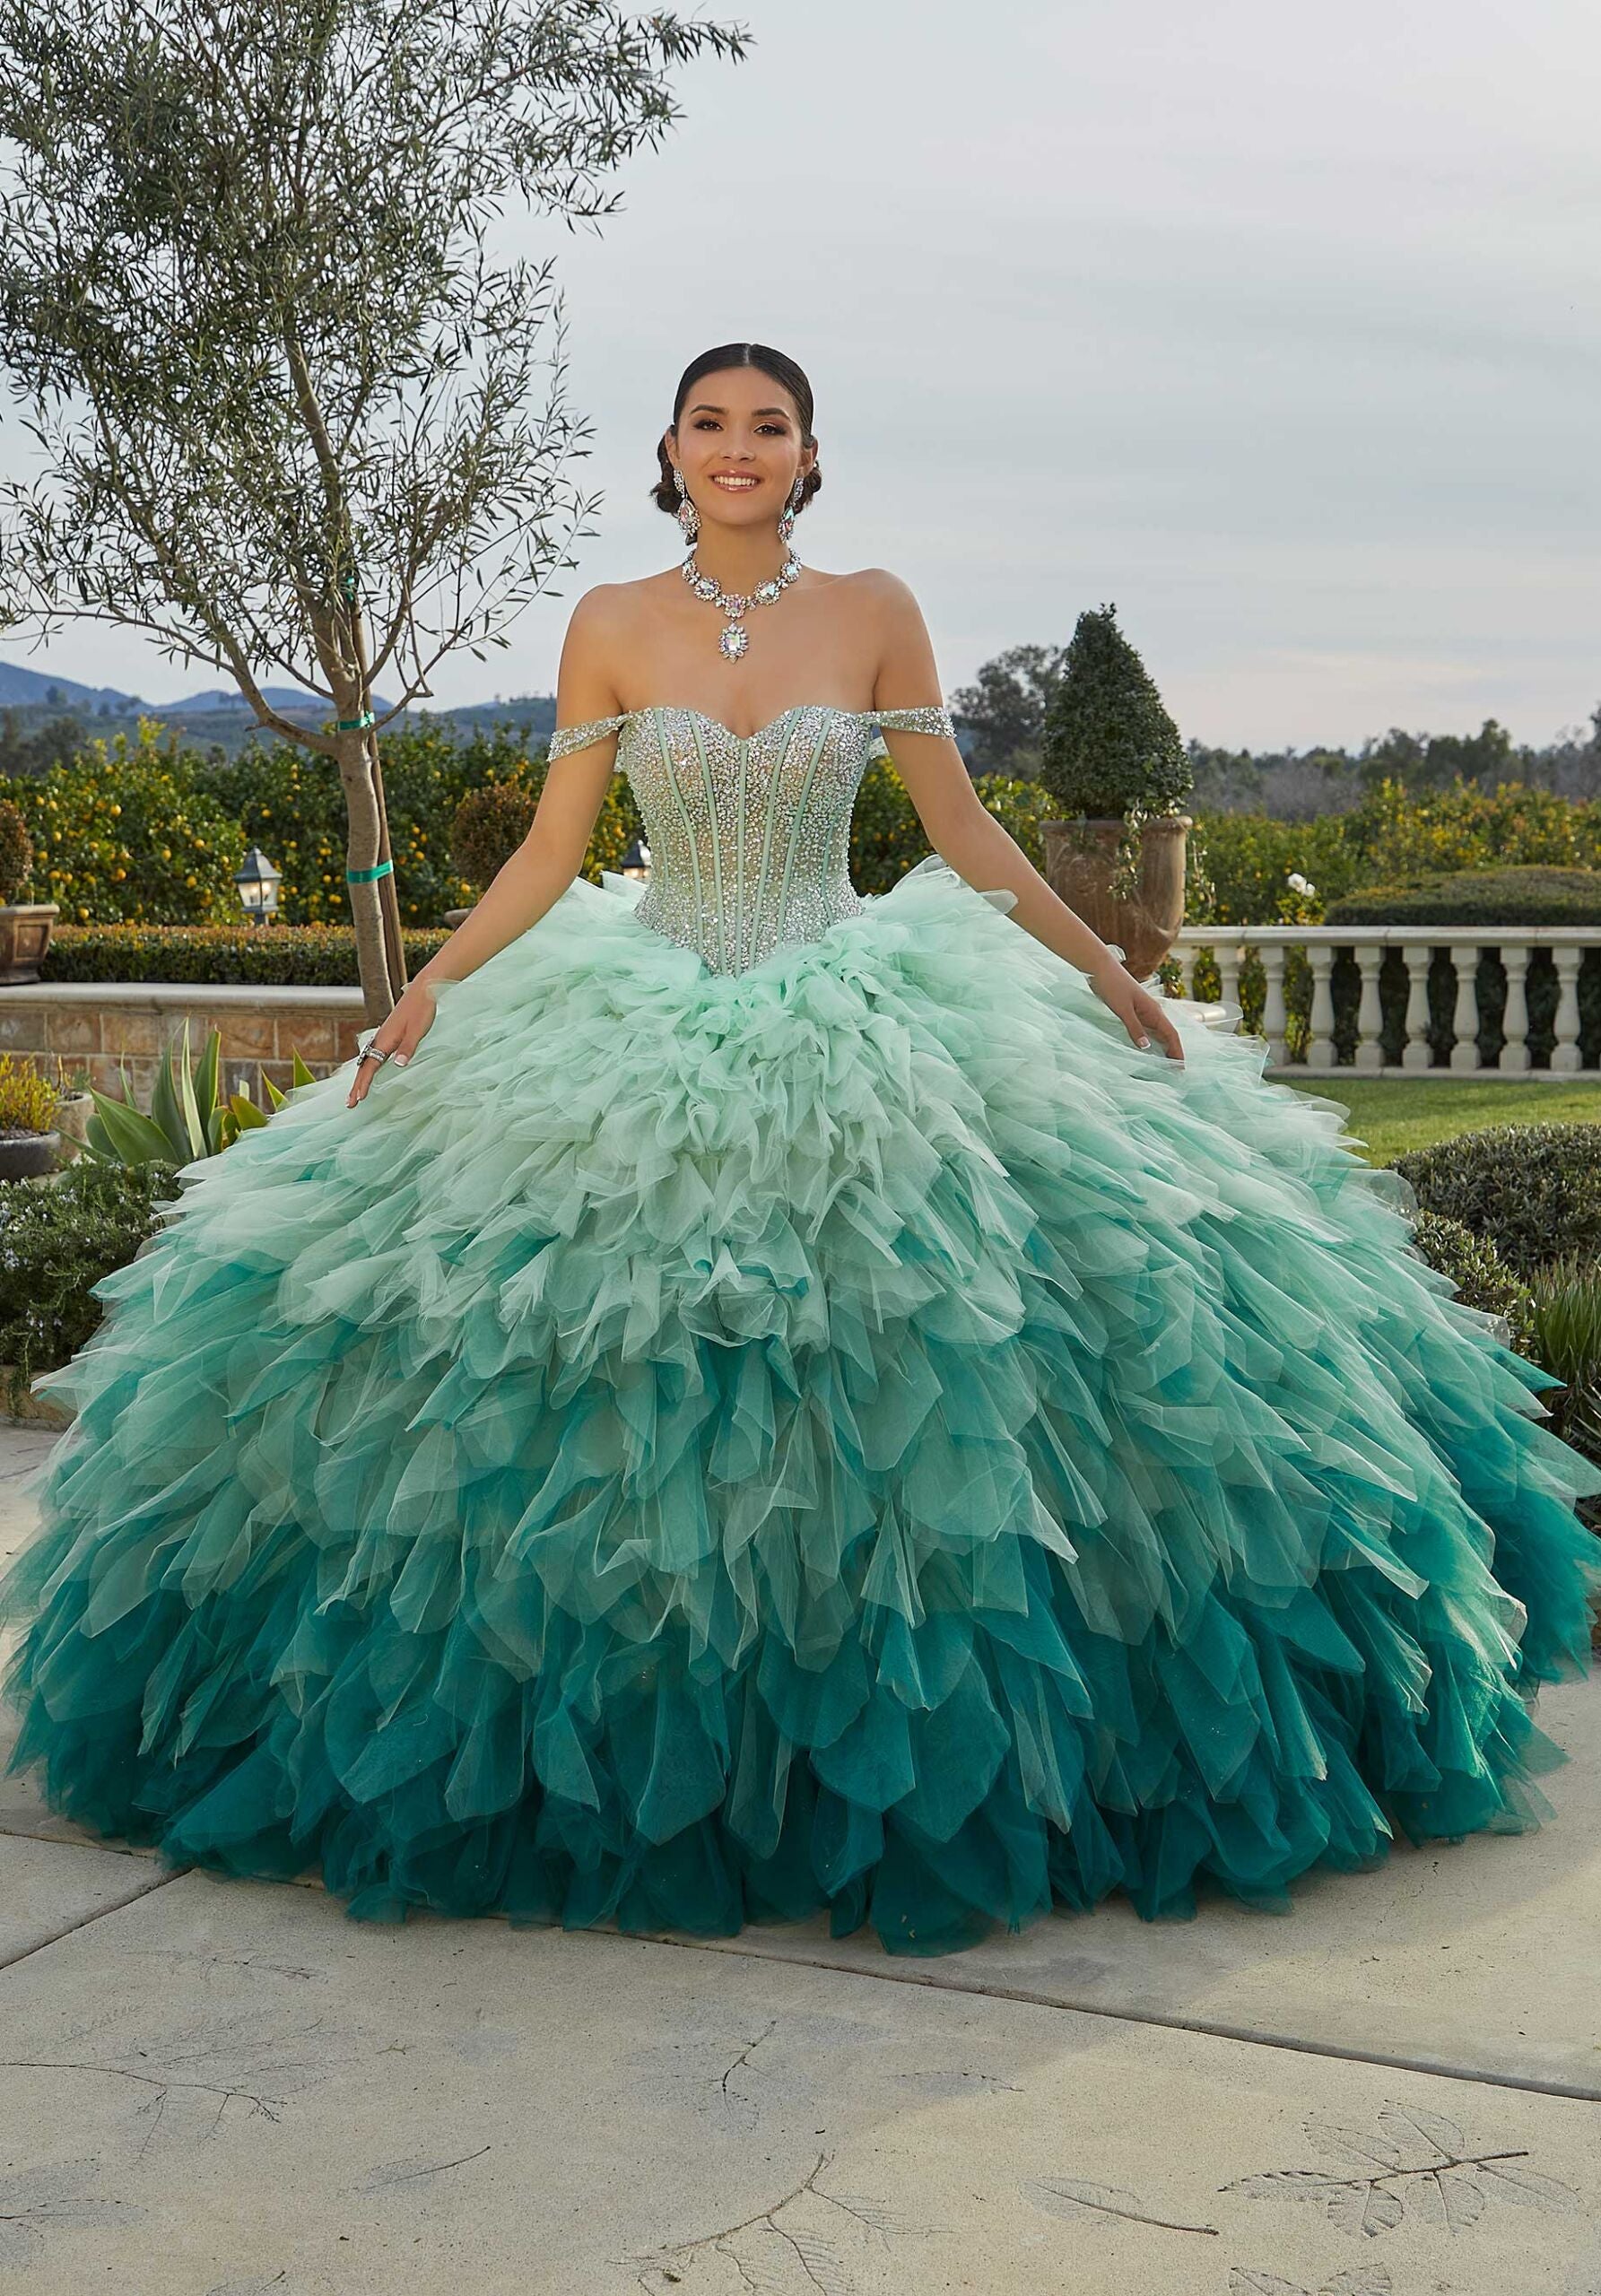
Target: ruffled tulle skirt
[854, 1435]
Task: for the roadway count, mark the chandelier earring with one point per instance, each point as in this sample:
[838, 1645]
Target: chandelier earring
[689, 518]
[786, 518]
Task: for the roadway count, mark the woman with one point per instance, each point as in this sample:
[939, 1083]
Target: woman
[793, 1401]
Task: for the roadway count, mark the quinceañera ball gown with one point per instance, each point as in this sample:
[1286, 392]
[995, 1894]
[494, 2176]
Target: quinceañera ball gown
[782, 1405]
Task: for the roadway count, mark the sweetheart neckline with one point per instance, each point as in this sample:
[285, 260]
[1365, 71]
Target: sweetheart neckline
[688, 709]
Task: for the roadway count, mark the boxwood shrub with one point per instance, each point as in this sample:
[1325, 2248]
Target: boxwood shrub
[56, 1240]
[1482, 1277]
[1534, 1190]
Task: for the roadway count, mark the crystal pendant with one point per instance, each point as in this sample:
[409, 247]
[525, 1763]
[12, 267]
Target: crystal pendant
[733, 640]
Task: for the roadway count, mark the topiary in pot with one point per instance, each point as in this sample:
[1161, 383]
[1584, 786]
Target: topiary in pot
[24, 926]
[489, 825]
[1115, 763]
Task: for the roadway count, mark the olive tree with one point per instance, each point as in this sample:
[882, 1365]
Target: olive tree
[295, 424]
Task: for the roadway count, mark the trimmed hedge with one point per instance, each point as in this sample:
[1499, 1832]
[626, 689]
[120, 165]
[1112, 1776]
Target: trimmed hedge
[265, 956]
[1532, 895]
[1534, 1190]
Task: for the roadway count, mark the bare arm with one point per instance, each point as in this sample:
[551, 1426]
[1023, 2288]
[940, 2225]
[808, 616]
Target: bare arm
[548, 858]
[962, 833]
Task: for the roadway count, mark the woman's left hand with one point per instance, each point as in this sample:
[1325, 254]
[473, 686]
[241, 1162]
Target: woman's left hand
[1141, 1013]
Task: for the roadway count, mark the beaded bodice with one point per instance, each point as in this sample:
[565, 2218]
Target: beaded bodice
[749, 833]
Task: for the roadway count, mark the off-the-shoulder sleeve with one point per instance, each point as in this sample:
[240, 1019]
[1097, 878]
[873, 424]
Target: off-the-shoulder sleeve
[931, 719]
[580, 738]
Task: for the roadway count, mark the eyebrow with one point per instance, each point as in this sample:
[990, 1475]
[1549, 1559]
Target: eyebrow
[704, 406]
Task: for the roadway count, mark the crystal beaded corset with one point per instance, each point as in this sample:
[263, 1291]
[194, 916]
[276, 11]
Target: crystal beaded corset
[749, 833]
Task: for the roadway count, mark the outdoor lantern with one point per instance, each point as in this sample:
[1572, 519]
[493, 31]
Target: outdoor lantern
[258, 882]
[636, 861]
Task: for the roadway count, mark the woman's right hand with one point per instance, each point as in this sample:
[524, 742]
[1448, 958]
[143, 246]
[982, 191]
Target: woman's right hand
[398, 1034]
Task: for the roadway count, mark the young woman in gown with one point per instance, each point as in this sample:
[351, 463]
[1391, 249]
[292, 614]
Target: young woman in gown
[748, 1400]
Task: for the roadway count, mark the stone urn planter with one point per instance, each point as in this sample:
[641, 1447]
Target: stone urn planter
[25, 936]
[29, 1155]
[1081, 860]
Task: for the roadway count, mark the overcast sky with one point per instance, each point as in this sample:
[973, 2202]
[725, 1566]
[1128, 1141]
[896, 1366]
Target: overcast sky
[1275, 325]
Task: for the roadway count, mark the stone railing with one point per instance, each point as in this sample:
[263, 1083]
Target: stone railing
[1416, 944]
[107, 1027]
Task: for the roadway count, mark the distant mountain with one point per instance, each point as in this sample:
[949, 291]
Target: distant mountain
[21, 689]
[538, 712]
[289, 699]
[43, 688]
[221, 714]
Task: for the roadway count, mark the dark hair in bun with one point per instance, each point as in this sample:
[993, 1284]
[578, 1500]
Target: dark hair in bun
[784, 372]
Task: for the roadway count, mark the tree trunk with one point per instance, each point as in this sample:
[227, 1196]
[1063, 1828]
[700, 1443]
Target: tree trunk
[388, 893]
[363, 852]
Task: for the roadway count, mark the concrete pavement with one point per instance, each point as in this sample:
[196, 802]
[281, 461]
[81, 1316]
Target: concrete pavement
[218, 2088]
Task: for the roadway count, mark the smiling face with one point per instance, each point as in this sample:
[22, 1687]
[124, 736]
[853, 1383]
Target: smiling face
[738, 444]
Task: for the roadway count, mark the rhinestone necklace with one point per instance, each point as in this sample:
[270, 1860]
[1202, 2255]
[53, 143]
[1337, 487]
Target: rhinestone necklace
[733, 637]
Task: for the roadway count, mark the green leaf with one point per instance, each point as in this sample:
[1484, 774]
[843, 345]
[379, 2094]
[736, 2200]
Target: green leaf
[206, 1077]
[191, 1106]
[272, 1093]
[245, 1115]
[299, 1073]
[166, 1111]
[130, 1138]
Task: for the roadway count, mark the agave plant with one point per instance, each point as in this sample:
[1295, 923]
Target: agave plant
[1565, 1337]
[187, 1117]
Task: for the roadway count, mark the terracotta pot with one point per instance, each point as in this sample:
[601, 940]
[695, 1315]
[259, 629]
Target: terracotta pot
[28, 1155]
[25, 936]
[1080, 857]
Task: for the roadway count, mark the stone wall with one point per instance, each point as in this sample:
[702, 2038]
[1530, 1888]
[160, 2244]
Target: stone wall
[108, 1028]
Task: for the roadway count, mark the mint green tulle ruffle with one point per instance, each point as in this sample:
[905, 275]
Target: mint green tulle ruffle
[857, 1435]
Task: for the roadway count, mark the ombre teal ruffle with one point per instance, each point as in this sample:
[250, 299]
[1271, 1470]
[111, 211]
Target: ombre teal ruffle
[857, 1434]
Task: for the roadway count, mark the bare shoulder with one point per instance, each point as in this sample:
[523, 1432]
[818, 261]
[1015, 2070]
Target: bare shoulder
[602, 621]
[604, 606]
[883, 594]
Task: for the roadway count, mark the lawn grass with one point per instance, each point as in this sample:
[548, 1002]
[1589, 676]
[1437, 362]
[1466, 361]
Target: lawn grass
[1391, 1114]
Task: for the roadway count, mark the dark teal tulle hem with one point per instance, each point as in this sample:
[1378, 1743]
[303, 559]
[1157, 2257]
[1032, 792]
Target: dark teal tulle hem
[855, 1437]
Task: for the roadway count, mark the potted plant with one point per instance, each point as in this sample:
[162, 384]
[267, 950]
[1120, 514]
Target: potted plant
[24, 926]
[29, 1144]
[1113, 760]
[74, 1105]
[489, 825]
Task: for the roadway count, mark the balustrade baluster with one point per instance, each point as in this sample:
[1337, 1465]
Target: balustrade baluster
[1514, 1053]
[1370, 1011]
[1565, 1055]
[1415, 1042]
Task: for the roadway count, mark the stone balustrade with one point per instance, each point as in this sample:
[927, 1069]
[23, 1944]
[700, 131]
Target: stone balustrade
[107, 1027]
[1366, 947]
[111, 1028]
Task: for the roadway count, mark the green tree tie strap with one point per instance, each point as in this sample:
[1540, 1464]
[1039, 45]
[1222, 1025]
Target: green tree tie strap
[351, 724]
[366, 876]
